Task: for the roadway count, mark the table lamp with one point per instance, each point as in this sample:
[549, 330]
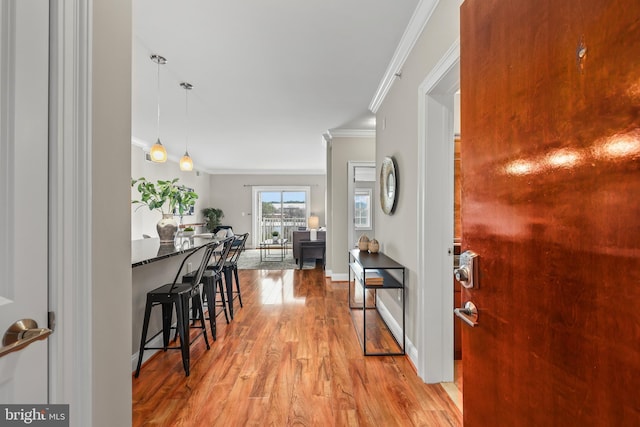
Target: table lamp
[313, 224]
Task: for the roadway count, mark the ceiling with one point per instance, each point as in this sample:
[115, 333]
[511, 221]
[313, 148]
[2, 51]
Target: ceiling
[269, 77]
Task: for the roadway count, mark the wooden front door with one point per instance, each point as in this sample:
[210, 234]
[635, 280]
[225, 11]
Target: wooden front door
[550, 96]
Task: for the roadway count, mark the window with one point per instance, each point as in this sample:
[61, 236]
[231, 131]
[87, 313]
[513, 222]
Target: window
[279, 209]
[362, 208]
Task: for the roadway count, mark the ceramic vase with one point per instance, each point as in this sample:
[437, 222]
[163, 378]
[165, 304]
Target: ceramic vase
[167, 228]
[374, 246]
[363, 243]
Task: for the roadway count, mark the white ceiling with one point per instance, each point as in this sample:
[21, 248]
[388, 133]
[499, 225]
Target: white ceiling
[270, 77]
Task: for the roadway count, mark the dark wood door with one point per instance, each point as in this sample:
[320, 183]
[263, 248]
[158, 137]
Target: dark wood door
[550, 95]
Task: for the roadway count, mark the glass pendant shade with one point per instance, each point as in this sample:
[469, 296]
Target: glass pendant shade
[158, 152]
[186, 164]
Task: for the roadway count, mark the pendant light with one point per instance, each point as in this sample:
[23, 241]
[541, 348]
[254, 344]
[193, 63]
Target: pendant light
[158, 152]
[186, 164]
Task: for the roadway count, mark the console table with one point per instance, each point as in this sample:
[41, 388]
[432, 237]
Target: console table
[373, 273]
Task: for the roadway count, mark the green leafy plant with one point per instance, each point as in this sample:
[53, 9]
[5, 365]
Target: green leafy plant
[212, 217]
[156, 195]
[275, 233]
[188, 229]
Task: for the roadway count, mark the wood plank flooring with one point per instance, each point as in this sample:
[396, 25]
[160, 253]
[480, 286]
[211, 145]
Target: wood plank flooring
[289, 357]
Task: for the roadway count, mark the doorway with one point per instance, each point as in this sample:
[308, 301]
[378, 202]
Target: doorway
[280, 210]
[361, 179]
[457, 244]
[435, 228]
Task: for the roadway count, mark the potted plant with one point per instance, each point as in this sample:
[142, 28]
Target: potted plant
[165, 197]
[212, 217]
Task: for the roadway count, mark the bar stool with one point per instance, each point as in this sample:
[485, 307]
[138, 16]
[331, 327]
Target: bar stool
[177, 295]
[230, 270]
[211, 279]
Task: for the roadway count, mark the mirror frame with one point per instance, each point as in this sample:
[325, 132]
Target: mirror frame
[388, 185]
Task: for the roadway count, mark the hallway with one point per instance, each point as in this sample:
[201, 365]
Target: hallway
[289, 357]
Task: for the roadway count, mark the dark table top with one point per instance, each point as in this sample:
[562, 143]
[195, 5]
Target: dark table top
[145, 251]
[375, 260]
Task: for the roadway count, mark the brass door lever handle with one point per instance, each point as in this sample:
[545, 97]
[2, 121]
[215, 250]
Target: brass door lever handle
[21, 334]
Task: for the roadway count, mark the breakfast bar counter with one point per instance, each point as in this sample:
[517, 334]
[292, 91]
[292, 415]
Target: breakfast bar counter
[145, 251]
[153, 265]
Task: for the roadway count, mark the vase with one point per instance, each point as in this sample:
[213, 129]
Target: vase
[374, 246]
[363, 243]
[167, 228]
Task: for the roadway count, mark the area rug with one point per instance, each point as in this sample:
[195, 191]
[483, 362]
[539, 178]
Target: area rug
[250, 260]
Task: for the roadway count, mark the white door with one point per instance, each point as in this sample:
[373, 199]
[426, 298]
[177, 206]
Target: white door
[24, 74]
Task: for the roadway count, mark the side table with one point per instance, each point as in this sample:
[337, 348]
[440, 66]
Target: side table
[312, 246]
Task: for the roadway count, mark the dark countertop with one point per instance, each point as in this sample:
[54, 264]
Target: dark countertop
[145, 251]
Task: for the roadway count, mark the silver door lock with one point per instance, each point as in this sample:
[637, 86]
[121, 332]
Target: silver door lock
[467, 272]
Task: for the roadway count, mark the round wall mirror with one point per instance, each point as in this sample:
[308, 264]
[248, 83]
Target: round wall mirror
[388, 185]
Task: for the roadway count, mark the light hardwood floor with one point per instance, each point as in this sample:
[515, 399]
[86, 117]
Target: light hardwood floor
[290, 357]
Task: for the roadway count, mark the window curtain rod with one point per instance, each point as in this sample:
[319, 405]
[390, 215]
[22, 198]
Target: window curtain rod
[263, 185]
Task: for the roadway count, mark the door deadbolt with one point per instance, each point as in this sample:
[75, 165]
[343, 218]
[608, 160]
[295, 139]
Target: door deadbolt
[467, 272]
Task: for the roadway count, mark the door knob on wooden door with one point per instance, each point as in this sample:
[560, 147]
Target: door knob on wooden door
[468, 314]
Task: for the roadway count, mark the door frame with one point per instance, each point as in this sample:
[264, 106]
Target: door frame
[70, 182]
[435, 217]
[255, 208]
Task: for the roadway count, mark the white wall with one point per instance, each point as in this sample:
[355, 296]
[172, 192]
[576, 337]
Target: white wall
[143, 221]
[342, 151]
[233, 194]
[397, 135]
[110, 214]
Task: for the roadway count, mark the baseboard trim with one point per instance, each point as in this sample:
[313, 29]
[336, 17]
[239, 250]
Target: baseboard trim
[410, 350]
[339, 277]
[148, 354]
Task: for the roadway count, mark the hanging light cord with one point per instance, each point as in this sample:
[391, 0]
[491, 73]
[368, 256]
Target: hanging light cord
[186, 108]
[158, 93]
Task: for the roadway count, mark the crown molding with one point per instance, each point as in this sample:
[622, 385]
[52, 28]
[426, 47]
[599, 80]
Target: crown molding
[418, 20]
[351, 133]
[137, 142]
[265, 172]
[140, 143]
